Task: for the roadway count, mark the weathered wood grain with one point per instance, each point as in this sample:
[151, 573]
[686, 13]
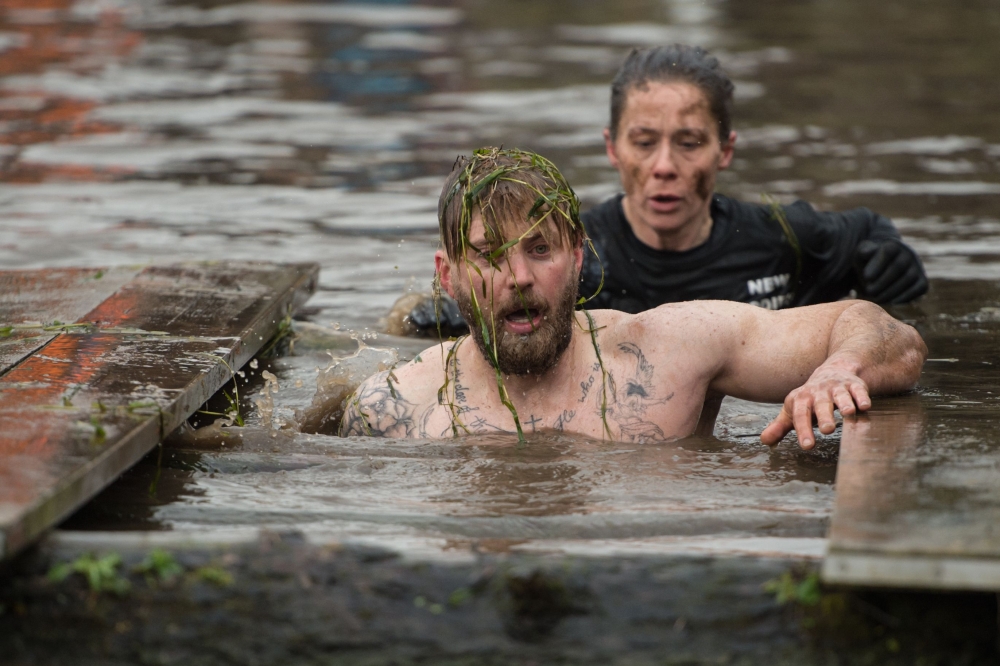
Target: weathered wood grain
[34, 303]
[97, 397]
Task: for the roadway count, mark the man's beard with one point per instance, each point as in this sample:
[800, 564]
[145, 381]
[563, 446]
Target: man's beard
[531, 354]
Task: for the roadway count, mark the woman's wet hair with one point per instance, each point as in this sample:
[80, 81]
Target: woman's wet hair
[508, 188]
[677, 62]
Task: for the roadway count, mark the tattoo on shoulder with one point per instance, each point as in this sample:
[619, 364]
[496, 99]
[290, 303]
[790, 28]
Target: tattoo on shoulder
[379, 409]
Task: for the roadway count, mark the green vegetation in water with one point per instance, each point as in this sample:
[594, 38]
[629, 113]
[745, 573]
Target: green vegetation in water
[100, 434]
[817, 610]
[285, 332]
[433, 608]
[101, 573]
[792, 589]
[233, 413]
[143, 407]
[557, 200]
[160, 566]
[214, 575]
[60, 326]
[460, 597]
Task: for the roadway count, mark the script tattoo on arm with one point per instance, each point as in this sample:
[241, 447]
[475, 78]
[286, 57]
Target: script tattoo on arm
[629, 404]
[378, 409]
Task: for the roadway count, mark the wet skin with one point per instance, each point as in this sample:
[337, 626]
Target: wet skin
[666, 368]
[667, 151]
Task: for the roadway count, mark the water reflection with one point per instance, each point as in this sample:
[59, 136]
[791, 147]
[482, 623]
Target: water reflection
[198, 129]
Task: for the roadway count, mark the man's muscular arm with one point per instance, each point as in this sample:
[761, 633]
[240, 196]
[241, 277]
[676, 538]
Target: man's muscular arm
[815, 359]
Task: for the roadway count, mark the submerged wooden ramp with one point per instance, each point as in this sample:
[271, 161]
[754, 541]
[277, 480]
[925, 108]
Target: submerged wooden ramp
[97, 365]
[918, 480]
[915, 507]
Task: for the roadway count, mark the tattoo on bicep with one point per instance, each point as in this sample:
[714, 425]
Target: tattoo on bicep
[628, 404]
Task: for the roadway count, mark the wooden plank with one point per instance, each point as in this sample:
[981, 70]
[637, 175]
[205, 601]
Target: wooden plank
[914, 509]
[33, 303]
[76, 414]
[918, 480]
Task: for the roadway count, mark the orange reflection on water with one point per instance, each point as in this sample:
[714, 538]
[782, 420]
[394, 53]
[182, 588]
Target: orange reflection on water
[42, 37]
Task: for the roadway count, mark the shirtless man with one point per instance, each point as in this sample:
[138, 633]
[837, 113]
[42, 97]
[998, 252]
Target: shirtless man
[512, 253]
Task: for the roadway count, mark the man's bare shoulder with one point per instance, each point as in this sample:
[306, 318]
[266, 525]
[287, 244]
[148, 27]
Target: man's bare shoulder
[397, 402]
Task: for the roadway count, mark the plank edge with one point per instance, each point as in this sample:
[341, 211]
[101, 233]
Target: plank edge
[911, 571]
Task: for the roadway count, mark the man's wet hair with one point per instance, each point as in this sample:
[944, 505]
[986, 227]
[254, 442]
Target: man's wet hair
[510, 188]
[677, 62]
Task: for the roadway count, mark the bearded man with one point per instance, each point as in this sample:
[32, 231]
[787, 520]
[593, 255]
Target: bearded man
[512, 253]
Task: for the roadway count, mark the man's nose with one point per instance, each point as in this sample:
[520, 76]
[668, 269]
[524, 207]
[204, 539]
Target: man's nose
[664, 166]
[519, 270]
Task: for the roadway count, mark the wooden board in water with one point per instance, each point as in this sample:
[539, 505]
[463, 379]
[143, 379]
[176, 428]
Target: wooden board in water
[80, 405]
[918, 480]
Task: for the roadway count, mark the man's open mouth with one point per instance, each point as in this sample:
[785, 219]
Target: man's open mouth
[523, 316]
[523, 321]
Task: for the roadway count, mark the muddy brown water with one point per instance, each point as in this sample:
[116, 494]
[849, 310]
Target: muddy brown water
[154, 131]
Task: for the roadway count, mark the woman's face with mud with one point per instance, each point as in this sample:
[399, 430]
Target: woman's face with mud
[668, 152]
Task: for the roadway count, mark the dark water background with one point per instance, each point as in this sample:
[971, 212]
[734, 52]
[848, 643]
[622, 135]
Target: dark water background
[156, 131]
[150, 131]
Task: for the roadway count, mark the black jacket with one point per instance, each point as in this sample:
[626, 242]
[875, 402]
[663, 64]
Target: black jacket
[752, 255]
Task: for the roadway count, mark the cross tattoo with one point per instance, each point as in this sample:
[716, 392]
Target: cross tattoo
[532, 421]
